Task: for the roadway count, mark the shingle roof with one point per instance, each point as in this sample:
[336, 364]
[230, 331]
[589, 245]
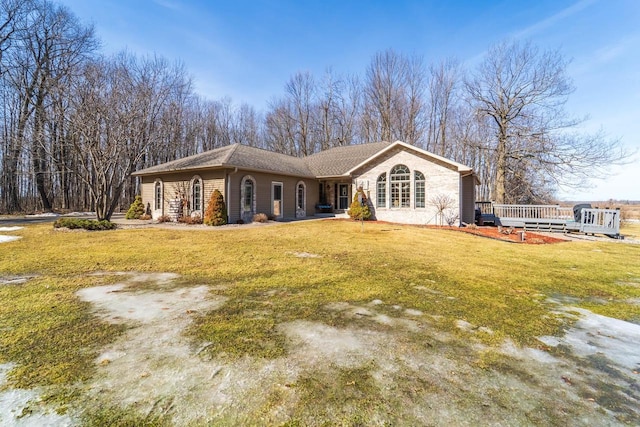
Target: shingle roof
[235, 155]
[338, 161]
[211, 158]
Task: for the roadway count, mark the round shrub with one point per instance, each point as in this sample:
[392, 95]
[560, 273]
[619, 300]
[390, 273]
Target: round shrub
[260, 217]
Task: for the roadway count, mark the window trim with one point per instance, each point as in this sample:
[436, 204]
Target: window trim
[158, 196]
[243, 194]
[194, 180]
[381, 190]
[419, 192]
[400, 187]
[301, 205]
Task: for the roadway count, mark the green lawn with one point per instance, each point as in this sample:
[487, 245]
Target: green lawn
[53, 337]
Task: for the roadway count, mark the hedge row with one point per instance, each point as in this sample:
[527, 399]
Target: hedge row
[86, 224]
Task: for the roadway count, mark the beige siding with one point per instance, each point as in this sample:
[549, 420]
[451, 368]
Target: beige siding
[177, 183]
[263, 194]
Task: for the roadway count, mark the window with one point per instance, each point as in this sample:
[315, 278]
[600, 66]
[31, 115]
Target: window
[419, 189]
[247, 199]
[157, 195]
[196, 194]
[400, 186]
[381, 191]
[301, 200]
[300, 196]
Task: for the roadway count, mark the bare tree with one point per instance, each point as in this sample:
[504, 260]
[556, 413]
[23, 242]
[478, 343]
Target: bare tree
[444, 80]
[118, 105]
[394, 99]
[523, 91]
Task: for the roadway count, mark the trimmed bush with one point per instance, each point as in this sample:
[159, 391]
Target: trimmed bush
[164, 218]
[191, 220]
[136, 210]
[260, 217]
[83, 224]
[359, 211]
[216, 212]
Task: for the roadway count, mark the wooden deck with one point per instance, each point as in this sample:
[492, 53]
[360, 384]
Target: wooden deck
[580, 218]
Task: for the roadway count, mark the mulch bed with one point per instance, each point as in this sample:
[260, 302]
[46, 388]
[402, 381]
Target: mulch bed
[531, 238]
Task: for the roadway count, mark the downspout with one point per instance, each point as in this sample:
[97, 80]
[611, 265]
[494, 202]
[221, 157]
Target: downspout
[228, 195]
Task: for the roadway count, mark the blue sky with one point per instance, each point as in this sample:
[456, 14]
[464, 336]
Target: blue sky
[247, 50]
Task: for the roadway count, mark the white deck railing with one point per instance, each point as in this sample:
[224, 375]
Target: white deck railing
[592, 220]
[554, 212]
[605, 221]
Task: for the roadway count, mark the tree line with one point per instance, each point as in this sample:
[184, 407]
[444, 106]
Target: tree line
[76, 123]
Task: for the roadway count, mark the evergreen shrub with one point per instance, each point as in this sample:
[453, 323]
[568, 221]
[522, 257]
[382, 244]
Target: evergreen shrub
[216, 212]
[359, 211]
[136, 210]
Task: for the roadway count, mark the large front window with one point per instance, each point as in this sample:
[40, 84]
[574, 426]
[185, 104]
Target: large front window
[400, 178]
[381, 191]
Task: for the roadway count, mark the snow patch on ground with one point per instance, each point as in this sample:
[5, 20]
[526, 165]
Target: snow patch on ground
[592, 334]
[7, 229]
[155, 369]
[23, 408]
[6, 239]
[43, 215]
[153, 366]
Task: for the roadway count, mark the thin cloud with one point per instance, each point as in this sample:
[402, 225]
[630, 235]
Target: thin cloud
[613, 51]
[168, 4]
[547, 22]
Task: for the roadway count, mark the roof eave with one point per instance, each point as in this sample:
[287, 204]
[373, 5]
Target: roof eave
[459, 166]
[178, 170]
[222, 166]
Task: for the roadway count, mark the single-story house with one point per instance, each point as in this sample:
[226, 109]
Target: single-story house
[402, 183]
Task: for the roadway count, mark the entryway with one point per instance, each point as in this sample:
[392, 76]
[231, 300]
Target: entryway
[276, 199]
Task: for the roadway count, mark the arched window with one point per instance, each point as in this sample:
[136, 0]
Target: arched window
[157, 195]
[301, 200]
[419, 189]
[381, 191]
[248, 195]
[301, 196]
[400, 178]
[196, 194]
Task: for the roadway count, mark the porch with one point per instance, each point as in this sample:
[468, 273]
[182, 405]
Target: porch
[334, 196]
[581, 218]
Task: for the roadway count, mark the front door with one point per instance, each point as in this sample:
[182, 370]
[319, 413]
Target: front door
[276, 199]
[343, 196]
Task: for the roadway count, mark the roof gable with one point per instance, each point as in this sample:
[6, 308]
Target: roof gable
[338, 161]
[459, 167]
